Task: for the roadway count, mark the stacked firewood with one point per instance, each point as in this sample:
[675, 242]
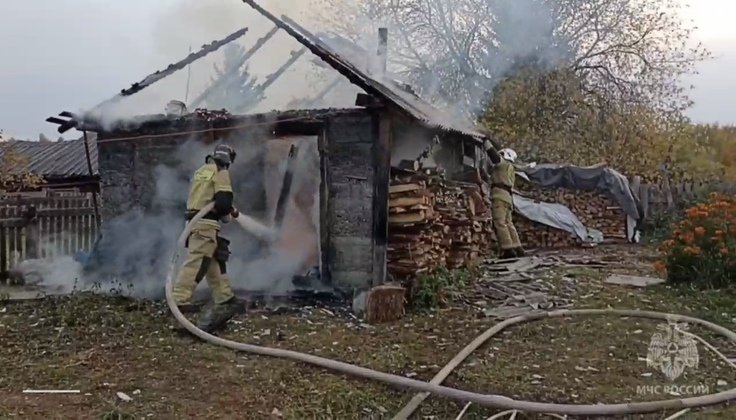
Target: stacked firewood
[463, 210]
[413, 238]
[595, 210]
[435, 223]
[537, 235]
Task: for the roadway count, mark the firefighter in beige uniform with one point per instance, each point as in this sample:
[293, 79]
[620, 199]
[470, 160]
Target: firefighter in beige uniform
[501, 178]
[207, 251]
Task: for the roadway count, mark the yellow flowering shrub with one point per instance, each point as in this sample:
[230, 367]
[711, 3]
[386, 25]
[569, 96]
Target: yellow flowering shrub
[702, 247]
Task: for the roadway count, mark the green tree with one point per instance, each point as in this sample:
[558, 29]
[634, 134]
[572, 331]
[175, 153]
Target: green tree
[233, 87]
[14, 173]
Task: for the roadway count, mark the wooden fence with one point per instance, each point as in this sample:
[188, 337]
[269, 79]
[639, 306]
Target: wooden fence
[666, 197]
[44, 227]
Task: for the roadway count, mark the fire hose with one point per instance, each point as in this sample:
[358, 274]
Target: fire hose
[489, 400]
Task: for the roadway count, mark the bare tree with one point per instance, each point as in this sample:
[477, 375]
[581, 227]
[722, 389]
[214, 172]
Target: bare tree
[630, 51]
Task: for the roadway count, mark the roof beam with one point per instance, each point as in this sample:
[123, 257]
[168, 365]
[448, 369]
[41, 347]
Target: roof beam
[310, 102]
[172, 68]
[247, 56]
[288, 26]
[258, 91]
[347, 69]
[275, 75]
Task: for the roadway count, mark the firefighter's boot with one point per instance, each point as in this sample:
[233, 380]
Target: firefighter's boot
[216, 316]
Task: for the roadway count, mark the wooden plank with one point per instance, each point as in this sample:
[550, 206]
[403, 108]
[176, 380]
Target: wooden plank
[407, 201]
[3, 247]
[668, 193]
[324, 204]
[381, 179]
[32, 240]
[64, 212]
[56, 226]
[26, 201]
[43, 230]
[17, 243]
[404, 188]
[62, 224]
[404, 218]
[10, 223]
[644, 192]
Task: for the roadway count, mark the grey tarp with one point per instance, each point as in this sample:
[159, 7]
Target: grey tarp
[601, 179]
[557, 216]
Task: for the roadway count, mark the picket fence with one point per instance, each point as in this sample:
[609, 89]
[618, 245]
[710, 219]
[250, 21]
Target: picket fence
[665, 197]
[45, 227]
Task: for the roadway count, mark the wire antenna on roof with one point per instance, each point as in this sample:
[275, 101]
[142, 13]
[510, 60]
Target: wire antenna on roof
[189, 77]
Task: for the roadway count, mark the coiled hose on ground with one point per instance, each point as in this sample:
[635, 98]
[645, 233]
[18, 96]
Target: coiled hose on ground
[490, 400]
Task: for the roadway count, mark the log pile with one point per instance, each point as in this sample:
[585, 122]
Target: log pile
[463, 212]
[537, 235]
[435, 223]
[595, 210]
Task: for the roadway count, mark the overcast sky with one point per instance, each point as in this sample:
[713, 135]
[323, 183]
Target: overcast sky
[71, 54]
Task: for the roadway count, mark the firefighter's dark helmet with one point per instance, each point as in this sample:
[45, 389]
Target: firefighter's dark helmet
[224, 154]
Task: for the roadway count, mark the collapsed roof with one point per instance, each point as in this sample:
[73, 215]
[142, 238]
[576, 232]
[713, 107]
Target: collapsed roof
[379, 86]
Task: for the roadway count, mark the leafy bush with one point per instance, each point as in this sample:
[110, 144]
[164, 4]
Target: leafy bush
[435, 290]
[658, 227]
[702, 247]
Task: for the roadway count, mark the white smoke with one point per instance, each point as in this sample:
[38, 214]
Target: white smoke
[497, 36]
[136, 246]
[192, 23]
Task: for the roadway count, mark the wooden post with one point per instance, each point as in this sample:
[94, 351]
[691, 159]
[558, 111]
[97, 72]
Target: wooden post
[668, 192]
[631, 224]
[32, 239]
[644, 199]
[91, 174]
[382, 170]
[324, 203]
[3, 248]
[285, 192]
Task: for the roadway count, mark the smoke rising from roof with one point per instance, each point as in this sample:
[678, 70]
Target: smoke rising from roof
[453, 52]
[192, 23]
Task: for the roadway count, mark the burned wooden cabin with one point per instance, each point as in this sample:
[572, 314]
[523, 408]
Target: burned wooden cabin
[356, 150]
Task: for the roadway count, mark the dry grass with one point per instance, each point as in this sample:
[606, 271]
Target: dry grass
[104, 346]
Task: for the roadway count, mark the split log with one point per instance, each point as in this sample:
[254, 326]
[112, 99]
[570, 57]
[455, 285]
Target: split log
[386, 303]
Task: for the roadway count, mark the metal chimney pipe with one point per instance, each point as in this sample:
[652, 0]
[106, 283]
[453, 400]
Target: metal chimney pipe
[382, 50]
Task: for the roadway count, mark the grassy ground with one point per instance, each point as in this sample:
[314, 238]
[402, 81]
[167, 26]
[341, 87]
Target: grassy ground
[103, 346]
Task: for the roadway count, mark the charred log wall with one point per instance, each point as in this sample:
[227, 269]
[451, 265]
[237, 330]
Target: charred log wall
[347, 219]
[130, 165]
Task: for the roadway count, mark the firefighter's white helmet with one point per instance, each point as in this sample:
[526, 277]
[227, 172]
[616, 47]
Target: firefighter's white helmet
[508, 154]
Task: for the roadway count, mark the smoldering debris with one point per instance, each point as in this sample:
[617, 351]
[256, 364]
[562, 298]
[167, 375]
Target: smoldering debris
[59, 275]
